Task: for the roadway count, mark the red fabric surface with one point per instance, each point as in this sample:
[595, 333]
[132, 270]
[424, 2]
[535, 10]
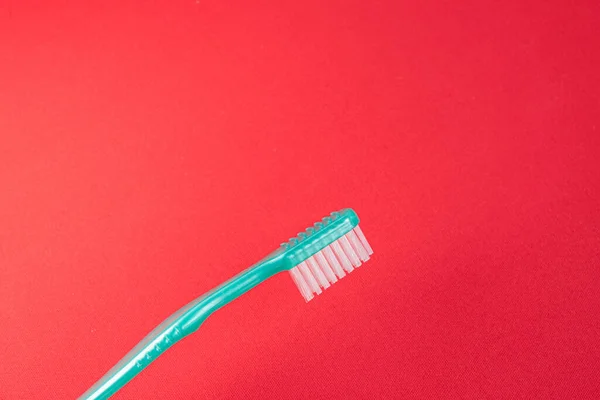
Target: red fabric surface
[151, 150]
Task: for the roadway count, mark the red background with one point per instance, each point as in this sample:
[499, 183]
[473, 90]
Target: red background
[151, 150]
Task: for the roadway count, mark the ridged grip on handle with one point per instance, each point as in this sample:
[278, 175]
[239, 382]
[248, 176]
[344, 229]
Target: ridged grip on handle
[181, 324]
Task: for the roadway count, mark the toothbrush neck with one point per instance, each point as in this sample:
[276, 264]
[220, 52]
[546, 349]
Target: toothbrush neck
[195, 313]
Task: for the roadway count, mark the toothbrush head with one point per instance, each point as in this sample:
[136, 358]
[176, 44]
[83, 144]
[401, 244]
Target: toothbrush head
[326, 252]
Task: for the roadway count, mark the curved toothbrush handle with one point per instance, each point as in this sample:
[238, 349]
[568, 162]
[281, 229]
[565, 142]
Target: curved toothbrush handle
[181, 324]
[138, 358]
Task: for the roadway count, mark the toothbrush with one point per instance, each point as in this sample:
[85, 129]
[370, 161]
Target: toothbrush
[315, 259]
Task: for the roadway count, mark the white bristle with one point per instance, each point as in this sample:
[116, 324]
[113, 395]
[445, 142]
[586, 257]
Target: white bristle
[357, 246]
[345, 243]
[301, 283]
[339, 253]
[326, 266]
[363, 239]
[314, 268]
[333, 262]
[309, 278]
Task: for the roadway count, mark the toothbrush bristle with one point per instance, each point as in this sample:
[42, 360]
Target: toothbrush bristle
[331, 263]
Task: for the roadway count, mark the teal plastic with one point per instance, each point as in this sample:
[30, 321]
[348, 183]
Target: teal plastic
[189, 318]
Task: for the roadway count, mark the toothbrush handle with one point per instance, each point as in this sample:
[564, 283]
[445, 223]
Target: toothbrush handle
[181, 324]
[138, 358]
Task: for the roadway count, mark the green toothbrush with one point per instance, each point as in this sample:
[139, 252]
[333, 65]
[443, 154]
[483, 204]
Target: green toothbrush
[315, 259]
